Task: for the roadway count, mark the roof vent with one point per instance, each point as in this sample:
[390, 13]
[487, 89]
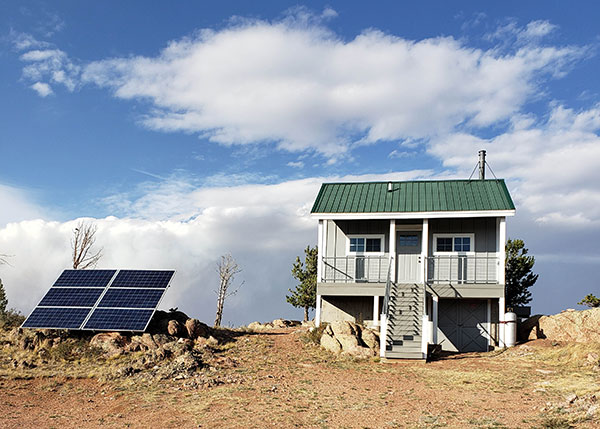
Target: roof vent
[482, 165]
[389, 186]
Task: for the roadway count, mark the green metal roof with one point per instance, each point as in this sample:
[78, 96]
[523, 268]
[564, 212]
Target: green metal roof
[414, 196]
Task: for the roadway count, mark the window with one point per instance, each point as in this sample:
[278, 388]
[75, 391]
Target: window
[453, 243]
[365, 244]
[408, 240]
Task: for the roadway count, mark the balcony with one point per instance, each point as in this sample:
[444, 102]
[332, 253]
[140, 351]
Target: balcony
[355, 269]
[463, 269]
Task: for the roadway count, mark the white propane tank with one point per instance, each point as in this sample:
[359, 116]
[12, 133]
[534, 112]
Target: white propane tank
[510, 329]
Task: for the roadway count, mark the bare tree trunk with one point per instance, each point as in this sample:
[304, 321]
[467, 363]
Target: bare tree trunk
[306, 314]
[84, 237]
[227, 269]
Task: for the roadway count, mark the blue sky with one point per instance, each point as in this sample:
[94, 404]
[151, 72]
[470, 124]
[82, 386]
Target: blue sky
[189, 127]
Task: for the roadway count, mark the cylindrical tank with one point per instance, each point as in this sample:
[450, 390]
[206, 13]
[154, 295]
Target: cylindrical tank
[510, 329]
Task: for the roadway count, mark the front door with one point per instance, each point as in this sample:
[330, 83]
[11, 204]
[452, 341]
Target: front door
[408, 256]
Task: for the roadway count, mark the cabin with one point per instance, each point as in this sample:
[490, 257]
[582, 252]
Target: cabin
[422, 261]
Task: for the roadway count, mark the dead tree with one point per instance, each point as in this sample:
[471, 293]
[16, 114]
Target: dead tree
[84, 237]
[227, 269]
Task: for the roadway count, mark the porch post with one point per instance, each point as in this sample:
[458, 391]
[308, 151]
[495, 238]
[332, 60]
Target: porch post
[425, 248]
[501, 278]
[376, 310]
[318, 311]
[320, 251]
[434, 309]
[392, 249]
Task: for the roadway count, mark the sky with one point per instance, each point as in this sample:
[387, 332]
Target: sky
[190, 130]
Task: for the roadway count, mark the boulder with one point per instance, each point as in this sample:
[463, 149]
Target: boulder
[343, 327]
[112, 343]
[572, 326]
[370, 339]
[281, 323]
[174, 328]
[257, 326]
[328, 342]
[196, 329]
[360, 352]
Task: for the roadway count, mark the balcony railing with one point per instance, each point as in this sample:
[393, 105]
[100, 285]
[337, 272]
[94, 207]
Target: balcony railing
[462, 269]
[355, 269]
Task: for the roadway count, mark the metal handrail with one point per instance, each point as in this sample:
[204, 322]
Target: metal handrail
[458, 269]
[343, 269]
[388, 288]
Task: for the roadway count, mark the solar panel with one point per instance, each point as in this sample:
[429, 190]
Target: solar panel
[143, 278]
[106, 300]
[53, 317]
[131, 298]
[118, 319]
[71, 297]
[84, 278]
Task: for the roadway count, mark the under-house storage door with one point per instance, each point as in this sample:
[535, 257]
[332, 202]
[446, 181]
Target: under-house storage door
[408, 251]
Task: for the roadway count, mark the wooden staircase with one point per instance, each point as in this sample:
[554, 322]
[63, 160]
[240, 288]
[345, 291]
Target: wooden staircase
[404, 321]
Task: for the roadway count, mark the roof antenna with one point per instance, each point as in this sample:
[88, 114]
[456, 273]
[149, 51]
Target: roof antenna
[482, 164]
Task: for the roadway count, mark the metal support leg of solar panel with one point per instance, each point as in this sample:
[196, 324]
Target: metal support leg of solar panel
[101, 300]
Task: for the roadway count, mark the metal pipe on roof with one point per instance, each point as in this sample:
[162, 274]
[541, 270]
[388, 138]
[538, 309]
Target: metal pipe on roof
[389, 186]
[482, 164]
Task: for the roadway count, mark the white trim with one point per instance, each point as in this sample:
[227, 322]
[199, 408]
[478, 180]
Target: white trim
[453, 236]
[415, 215]
[381, 237]
[382, 335]
[501, 311]
[434, 310]
[489, 322]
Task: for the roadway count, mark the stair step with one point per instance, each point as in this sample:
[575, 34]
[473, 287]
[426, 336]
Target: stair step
[403, 354]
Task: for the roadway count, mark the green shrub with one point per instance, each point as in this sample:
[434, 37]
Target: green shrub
[11, 319]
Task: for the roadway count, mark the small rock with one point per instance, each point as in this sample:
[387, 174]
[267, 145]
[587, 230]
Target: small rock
[571, 398]
[196, 329]
[212, 341]
[112, 343]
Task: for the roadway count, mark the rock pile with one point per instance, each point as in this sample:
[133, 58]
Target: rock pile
[275, 324]
[350, 339]
[569, 325]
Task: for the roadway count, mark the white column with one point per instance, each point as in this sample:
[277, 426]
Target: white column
[501, 311]
[376, 310]
[434, 310]
[425, 248]
[501, 278]
[318, 311]
[501, 250]
[320, 250]
[392, 250]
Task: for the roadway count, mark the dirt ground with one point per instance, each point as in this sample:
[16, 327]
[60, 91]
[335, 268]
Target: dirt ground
[280, 380]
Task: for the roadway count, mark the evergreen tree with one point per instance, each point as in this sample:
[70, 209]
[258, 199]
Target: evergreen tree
[519, 274]
[305, 294]
[591, 301]
[3, 300]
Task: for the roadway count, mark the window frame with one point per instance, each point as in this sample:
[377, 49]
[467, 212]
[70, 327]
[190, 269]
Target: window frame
[381, 237]
[471, 236]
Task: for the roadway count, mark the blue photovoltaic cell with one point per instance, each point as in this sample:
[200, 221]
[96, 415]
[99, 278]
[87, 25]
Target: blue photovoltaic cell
[84, 278]
[131, 298]
[71, 297]
[113, 319]
[143, 278]
[62, 318]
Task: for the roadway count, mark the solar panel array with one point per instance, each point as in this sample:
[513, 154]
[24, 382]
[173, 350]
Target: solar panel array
[101, 300]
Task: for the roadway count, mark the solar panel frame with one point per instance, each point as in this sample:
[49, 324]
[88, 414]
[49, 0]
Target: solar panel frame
[41, 317]
[75, 278]
[147, 279]
[166, 282]
[71, 297]
[131, 298]
[108, 319]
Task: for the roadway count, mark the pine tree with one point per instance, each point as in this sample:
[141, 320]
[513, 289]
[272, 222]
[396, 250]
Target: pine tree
[305, 294]
[590, 300]
[3, 300]
[519, 274]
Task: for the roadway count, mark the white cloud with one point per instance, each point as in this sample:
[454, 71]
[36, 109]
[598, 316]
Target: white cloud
[43, 89]
[298, 84]
[17, 205]
[552, 166]
[295, 164]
